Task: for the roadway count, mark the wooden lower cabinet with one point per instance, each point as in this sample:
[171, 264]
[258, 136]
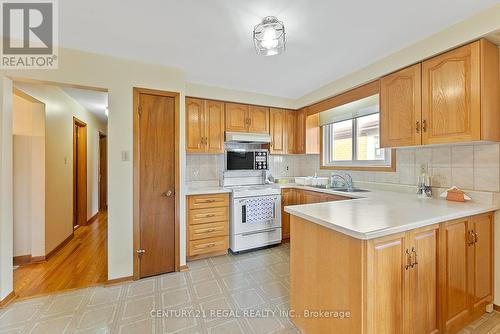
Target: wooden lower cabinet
[467, 270]
[292, 196]
[434, 279]
[402, 276]
[207, 225]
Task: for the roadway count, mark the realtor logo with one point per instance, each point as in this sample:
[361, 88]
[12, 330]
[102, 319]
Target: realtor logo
[29, 31]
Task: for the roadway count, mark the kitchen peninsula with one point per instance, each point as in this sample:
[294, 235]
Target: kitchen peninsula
[396, 263]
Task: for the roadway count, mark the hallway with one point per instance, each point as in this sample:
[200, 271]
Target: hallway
[80, 263]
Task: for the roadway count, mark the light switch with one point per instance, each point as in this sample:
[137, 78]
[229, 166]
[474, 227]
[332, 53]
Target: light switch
[125, 156]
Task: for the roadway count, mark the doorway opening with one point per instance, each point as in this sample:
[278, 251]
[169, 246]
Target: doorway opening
[60, 186]
[79, 173]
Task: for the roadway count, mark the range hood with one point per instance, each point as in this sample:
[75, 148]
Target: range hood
[244, 137]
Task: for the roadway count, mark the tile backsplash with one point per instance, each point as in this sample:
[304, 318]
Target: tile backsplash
[473, 166]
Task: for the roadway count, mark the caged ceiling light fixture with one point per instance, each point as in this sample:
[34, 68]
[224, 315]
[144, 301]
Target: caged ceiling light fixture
[269, 36]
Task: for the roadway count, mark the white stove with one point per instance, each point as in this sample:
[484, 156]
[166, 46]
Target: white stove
[255, 211]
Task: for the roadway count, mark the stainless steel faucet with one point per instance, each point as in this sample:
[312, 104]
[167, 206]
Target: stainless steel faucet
[346, 178]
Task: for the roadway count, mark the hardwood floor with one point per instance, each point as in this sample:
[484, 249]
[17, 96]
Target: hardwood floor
[80, 263]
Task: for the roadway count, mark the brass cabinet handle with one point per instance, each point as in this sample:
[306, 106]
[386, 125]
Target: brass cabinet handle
[424, 125]
[209, 201]
[210, 215]
[417, 127]
[471, 238]
[415, 262]
[408, 260]
[476, 238]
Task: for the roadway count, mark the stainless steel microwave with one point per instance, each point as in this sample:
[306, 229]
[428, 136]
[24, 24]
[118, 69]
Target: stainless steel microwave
[246, 159]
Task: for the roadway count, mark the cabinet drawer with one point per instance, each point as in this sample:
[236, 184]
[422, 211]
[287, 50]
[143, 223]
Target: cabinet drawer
[209, 245]
[210, 215]
[208, 201]
[201, 231]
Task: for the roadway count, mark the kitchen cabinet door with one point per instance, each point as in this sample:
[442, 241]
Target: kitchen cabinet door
[423, 280]
[214, 126]
[454, 277]
[482, 262]
[236, 117]
[387, 280]
[310, 197]
[290, 131]
[400, 108]
[287, 198]
[258, 119]
[195, 126]
[300, 131]
[451, 96]
[278, 131]
[312, 134]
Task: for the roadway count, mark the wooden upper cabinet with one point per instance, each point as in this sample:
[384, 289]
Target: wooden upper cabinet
[312, 134]
[195, 125]
[290, 131]
[214, 126]
[278, 131]
[236, 117]
[400, 108]
[300, 131]
[258, 119]
[459, 102]
[204, 126]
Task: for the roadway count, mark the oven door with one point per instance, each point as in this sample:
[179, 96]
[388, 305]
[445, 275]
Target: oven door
[240, 160]
[252, 214]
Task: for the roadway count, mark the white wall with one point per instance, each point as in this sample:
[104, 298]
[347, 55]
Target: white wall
[28, 119]
[60, 109]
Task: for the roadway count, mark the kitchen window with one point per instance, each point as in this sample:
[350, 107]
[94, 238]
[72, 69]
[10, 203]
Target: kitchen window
[351, 137]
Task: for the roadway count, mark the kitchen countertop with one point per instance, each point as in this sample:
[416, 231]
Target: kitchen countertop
[379, 213]
[203, 190]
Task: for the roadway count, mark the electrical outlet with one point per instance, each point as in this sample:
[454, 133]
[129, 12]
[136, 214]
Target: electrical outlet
[424, 168]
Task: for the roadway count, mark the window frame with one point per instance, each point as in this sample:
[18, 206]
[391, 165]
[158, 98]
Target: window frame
[360, 92]
[354, 162]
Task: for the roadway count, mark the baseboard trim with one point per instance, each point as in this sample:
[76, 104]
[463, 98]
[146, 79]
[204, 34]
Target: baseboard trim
[119, 280]
[7, 300]
[58, 247]
[183, 268]
[22, 260]
[92, 219]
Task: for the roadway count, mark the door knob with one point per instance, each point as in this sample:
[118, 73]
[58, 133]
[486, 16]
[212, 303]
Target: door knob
[167, 193]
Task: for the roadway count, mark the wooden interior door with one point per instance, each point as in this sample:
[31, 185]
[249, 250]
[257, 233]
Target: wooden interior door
[451, 97]
[236, 117]
[387, 281]
[258, 119]
[103, 172]
[214, 126]
[79, 173]
[278, 128]
[482, 294]
[195, 126]
[156, 145]
[423, 280]
[454, 274]
[290, 131]
[400, 108]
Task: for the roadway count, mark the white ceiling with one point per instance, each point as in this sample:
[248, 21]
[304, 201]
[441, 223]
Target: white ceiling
[94, 101]
[212, 40]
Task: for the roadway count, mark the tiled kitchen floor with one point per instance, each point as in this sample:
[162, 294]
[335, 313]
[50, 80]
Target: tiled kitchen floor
[252, 281]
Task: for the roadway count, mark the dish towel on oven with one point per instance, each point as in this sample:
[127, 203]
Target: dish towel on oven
[259, 210]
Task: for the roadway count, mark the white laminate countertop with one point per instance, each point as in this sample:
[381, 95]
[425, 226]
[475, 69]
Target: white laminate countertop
[379, 213]
[203, 190]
